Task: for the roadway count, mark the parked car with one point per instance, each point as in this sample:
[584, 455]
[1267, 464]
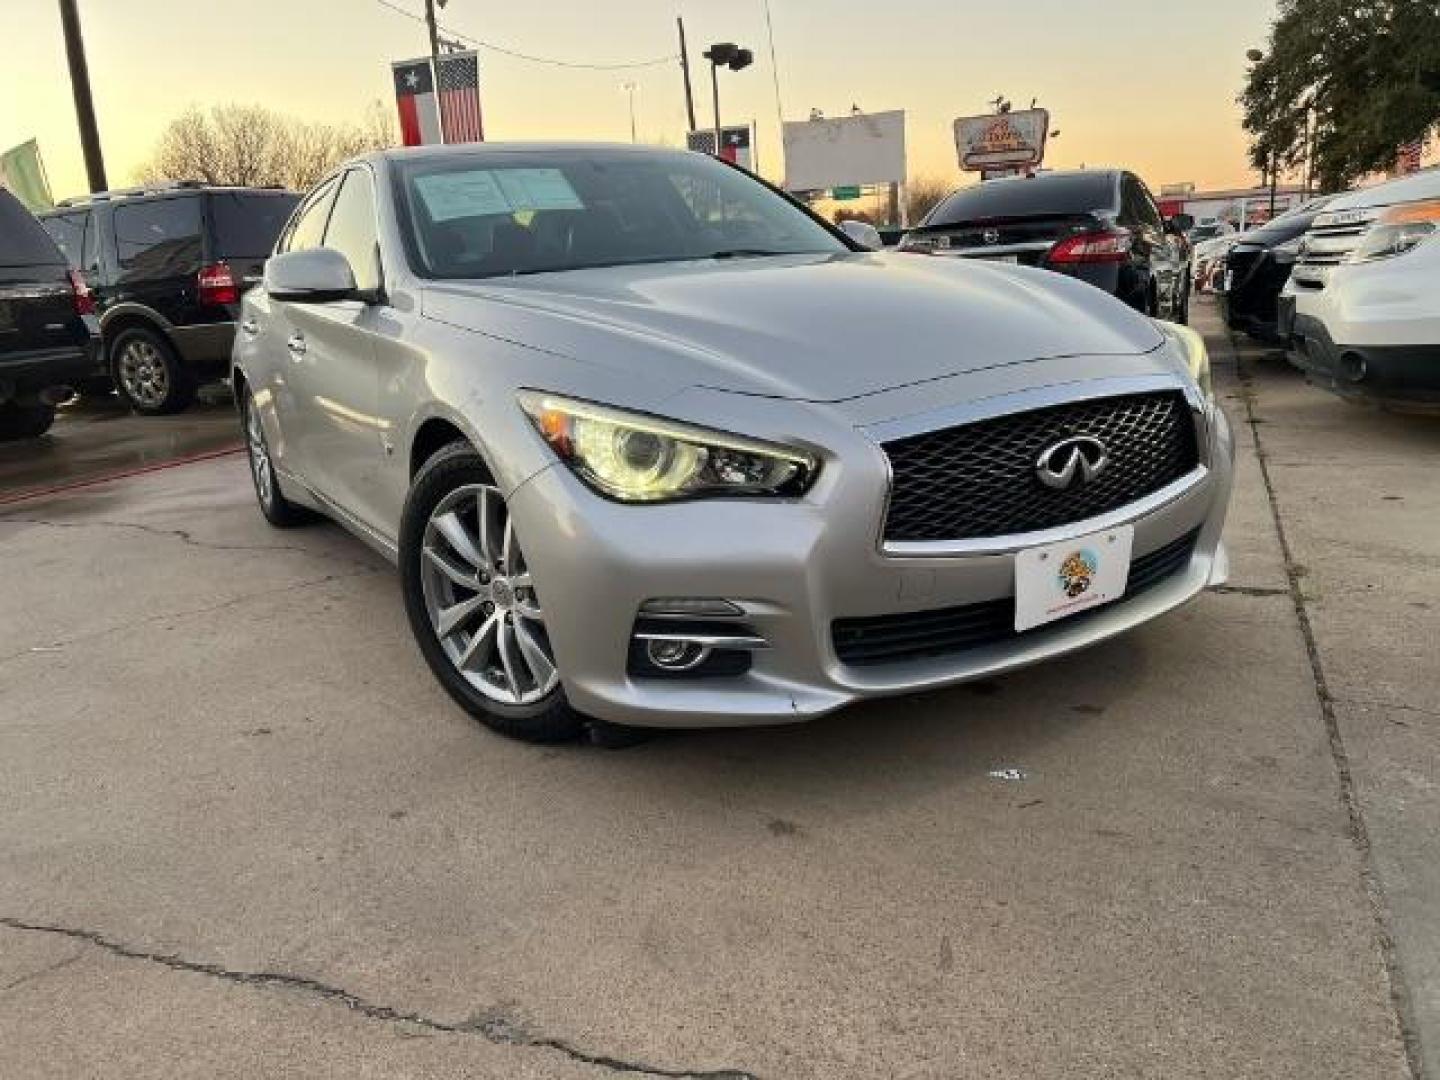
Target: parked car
[1209, 229]
[1099, 225]
[1256, 268]
[1208, 261]
[1362, 307]
[166, 266]
[651, 443]
[49, 336]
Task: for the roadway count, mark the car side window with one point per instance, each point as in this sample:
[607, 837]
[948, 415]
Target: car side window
[90, 246]
[157, 238]
[351, 230]
[68, 232]
[308, 227]
[1149, 212]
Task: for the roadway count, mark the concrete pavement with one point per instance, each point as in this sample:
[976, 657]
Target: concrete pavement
[243, 833]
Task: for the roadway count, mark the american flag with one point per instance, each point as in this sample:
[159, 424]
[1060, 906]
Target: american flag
[458, 79]
[734, 144]
[1409, 157]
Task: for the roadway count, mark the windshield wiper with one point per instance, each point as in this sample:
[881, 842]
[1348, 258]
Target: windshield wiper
[745, 253]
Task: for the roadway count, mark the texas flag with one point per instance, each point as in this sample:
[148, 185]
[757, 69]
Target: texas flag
[415, 97]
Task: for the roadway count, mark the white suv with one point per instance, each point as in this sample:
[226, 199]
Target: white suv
[1362, 307]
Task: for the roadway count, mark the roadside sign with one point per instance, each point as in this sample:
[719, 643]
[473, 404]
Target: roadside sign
[840, 194]
[1002, 140]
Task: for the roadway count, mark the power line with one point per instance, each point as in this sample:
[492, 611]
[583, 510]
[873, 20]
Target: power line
[490, 45]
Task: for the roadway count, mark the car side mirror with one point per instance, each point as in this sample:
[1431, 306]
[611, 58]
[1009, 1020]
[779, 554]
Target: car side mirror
[863, 233]
[314, 276]
[1180, 224]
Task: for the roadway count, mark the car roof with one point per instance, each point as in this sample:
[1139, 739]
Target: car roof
[497, 149]
[158, 191]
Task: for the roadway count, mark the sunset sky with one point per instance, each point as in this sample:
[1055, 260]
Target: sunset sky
[1149, 84]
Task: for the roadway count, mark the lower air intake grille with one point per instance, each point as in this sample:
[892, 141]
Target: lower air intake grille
[888, 639]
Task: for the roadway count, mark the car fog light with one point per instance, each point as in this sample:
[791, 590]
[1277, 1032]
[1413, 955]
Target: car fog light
[675, 655]
[685, 605]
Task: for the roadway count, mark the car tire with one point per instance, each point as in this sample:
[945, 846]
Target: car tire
[28, 421]
[472, 607]
[148, 373]
[278, 510]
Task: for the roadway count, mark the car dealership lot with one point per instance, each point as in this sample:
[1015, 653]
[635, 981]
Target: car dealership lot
[247, 834]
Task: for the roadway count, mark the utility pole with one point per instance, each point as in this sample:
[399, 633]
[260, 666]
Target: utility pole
[80, 87]
[629, 88]
[685, 70]
[434, 30]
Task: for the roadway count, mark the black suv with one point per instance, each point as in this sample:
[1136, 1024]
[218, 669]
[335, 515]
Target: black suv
[1099, 225]
[49, 336]
[1257, 268]
[167, 266]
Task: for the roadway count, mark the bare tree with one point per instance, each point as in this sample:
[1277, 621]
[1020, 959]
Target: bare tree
[923, 194]
[253, 146]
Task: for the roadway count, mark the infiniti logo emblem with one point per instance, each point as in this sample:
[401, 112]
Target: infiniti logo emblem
[1072, 462]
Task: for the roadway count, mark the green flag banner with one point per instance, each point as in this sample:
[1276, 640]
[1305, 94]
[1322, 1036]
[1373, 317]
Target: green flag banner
[22, 173]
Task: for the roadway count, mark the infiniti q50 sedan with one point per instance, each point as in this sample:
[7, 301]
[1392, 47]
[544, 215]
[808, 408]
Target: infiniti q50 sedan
[652, 444]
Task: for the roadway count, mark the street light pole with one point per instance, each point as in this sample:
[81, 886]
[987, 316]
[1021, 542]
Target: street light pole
[80, 87]
[629, 88]
[733, 57]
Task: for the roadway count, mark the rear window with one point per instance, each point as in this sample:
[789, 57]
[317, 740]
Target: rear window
[23, 242]
[247, 224]
[158, 238]
[1076, 193]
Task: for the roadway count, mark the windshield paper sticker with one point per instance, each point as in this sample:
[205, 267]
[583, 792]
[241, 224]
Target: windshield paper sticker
[483, 192]
[538, 189]
[452, 195]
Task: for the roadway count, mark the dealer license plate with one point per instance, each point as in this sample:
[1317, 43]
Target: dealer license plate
[1058, 580]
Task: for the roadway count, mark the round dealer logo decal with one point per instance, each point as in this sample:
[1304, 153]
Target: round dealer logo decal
[1078, 571]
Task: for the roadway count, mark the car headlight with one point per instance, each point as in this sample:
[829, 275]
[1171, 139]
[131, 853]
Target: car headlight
[1192, 347]
[1398, 230]
[637, 458]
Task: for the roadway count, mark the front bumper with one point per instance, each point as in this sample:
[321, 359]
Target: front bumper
[796, 567]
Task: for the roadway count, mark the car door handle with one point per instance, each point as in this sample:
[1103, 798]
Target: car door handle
[296, 345]
[250, 326]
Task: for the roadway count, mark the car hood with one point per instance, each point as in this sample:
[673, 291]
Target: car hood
[807, 327]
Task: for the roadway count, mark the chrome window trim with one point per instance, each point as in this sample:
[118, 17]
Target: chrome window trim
[1026, 401]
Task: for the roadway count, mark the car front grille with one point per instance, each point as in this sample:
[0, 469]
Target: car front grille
[980, 479]
[915, 635]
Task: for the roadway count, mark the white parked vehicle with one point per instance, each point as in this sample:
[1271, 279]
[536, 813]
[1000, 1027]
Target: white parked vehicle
[1362, 307]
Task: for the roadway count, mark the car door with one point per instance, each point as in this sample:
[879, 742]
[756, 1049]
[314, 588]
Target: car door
[332, 349]
[1165, 259]
[264, 343]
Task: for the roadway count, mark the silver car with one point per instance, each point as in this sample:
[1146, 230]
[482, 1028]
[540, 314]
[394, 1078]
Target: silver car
[654, 445]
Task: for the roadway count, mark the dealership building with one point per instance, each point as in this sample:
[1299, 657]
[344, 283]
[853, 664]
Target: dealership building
[1250, 205]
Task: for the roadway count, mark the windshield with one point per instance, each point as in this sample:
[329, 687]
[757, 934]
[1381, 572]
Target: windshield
[1206, 232]
[496, 213]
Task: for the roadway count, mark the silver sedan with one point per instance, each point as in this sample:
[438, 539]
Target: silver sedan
[653, 444]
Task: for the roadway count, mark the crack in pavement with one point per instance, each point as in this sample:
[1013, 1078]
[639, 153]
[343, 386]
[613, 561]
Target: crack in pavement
[1247, 590]
[64, 961]
[1359, 832]
[183, 535]
[64, 643]
[494, 1027]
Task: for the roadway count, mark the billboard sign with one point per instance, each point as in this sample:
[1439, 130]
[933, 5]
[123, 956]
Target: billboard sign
[1012, 140]
[868, 148]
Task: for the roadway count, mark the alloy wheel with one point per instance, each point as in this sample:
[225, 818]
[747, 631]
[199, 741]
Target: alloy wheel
[143, 374]
[260, 467]
[481, 600]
